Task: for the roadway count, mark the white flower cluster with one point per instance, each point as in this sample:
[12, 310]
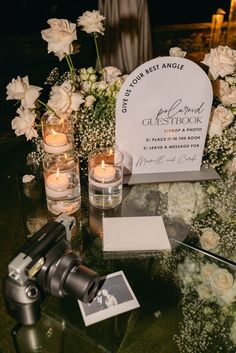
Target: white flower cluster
[20, 89]
[87, 96]
[185, 200]
[221, 62]
[211, 282]
[209, 297]
[94, 122]
[220, 148]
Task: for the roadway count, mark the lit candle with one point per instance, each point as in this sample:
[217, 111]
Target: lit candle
[56, 139]
[56, 142]
[57, 184]
[104, 172]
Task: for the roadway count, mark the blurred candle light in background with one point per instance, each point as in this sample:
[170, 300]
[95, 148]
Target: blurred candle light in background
[230, 37]
[216, 28]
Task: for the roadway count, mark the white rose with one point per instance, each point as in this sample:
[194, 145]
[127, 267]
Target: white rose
[89, 100]
[220, 88]
[229, 296]
[91, 70]
[101, 85]
[229, 98]
[225, 92]
[23, 124]
[221, 117]
[76, 101]
[84, 74]
[222, 284]
[118, 82]
[110, 73]
[221, 280]
[64, 100]
[92, 78]
[20, 89]
[209, 239]
[207, 270]
[221, 61]
[91, 21]
[86, 86]
[177, 52]
[204, 291]
[60, 36]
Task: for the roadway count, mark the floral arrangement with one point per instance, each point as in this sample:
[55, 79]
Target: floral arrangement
[207, 286]
[203, 214]
[220, 148]
[85, 95]
[89, 96]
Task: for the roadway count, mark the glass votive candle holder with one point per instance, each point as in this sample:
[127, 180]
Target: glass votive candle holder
[105, 174]
[62, 183]
[57, 133]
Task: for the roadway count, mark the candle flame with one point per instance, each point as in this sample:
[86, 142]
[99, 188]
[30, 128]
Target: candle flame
[65, 156]
[54, 132]
[57, 173]
[103, 164]
[110, 152]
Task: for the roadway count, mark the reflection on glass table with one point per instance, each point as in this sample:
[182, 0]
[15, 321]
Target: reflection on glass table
[187, 299]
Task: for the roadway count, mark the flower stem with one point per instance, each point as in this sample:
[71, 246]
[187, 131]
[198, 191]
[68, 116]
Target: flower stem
[71, 67]
[43, 104]
[97, 51]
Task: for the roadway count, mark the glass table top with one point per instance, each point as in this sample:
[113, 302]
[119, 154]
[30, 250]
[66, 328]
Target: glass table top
[187, 299]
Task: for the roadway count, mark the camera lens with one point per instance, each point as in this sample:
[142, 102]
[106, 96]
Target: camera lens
[69, 277]
[82, 283]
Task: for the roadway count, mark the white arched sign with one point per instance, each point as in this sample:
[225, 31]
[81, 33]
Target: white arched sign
[162, 116]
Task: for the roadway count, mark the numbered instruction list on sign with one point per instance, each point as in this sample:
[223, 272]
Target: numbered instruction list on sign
[166, 104]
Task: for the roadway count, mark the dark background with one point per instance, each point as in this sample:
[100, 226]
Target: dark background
[29, 16]
[23, 52]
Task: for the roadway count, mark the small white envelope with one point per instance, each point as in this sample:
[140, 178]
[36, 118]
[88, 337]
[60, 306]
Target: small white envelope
[134, 233]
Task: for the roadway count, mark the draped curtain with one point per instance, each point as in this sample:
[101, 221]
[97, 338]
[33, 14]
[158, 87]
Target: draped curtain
[127, 41]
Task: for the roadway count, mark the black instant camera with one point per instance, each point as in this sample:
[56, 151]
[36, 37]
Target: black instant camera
[47, 264]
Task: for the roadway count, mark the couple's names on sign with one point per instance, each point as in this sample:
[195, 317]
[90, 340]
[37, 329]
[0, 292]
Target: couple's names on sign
[162, 116]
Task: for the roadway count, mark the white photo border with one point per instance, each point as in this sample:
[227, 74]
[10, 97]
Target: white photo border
[114, 310]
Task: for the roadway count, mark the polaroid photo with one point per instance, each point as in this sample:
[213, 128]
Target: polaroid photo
[114, 297]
